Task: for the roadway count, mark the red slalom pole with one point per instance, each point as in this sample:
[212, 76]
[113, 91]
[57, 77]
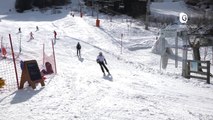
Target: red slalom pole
[14, 61]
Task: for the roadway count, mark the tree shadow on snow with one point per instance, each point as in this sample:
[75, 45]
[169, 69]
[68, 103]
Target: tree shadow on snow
[24, 95]
[108, 77]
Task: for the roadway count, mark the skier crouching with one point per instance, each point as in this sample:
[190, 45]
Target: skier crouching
[102, 61]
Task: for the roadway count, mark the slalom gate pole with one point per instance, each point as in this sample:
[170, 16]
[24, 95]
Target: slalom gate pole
[1, 43]
[54, 56]
[14, 61]
[20, 44]
[43, 53]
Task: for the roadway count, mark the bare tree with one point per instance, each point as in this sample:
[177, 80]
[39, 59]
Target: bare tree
[199, 36]
[195, 45]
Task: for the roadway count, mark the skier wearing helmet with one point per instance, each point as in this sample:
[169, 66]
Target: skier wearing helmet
[102, 61]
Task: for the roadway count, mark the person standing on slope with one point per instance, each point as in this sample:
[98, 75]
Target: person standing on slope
[102, 61]
[78, 47]
[19, 30]
[31, 36]
[55, 34]
[37, 29]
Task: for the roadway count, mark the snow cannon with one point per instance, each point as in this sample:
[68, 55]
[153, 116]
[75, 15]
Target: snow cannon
[97, 23]
[4, 52]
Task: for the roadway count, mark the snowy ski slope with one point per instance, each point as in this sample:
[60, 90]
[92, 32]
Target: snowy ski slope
[138, 90]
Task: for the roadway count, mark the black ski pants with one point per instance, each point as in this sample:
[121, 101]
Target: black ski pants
[78, 52]
[102, 65]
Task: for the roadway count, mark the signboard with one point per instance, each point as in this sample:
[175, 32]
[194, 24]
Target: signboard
[193, 66]
[169, 32]
[31, 73]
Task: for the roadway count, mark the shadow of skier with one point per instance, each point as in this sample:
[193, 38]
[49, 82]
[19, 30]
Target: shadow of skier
[108, 77]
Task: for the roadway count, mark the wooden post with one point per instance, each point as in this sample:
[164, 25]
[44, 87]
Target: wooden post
[162, 42]
[188, 70]
[14, 61]
[176, 50]
[208, 72]
[185, 50]
[212, 54]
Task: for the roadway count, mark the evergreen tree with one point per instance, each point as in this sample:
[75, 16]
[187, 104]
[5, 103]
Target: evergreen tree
[135, 7]
[22, 5]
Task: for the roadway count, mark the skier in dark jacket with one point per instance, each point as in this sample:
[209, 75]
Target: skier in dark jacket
[19, 30]
[78, 47]
[37, 29]
[55, 34]
[102, 61]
